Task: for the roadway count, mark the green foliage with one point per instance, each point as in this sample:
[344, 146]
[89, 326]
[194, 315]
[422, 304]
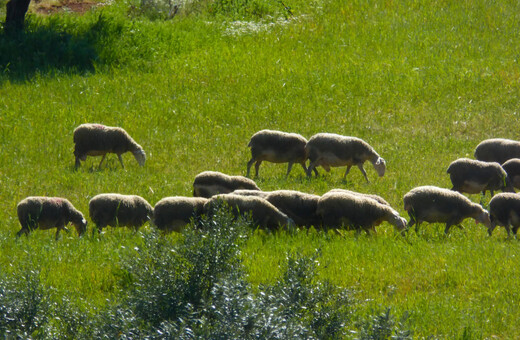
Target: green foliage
[23, 306]
[422, 82]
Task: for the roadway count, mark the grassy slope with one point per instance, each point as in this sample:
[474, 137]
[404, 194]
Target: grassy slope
[422, 82]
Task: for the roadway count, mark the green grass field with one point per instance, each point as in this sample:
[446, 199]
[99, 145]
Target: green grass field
[422, 81]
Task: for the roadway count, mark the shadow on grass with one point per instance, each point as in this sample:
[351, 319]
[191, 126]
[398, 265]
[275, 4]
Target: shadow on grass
[50, 48]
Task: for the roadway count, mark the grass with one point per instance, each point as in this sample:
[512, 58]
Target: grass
[422, 82]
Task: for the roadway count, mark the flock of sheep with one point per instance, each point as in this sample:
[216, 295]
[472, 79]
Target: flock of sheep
[497, 168]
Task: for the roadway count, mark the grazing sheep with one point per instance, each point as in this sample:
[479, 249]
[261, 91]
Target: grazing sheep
[497, 150]
[472, 176]
[512, 168]
[47, 213]
[98, 140]
[119, 210]
[247, 192]
[300, 207]
[263, 213]
[209, 183]
[277, 147]
[332, 150]
[432, 204]
[173, 213]
[504, 210]
[338, 209]
[372, 196]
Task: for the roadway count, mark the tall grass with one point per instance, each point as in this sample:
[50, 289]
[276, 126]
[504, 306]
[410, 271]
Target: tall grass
[423, 82]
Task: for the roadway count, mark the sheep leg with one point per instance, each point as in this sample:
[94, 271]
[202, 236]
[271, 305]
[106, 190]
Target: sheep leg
[304, 167]
[257, 166]
[24, 230]
[121, 160]
[57, 233]
[493, 226]
[312, 166]
[78, 163]
[448, 226]
[346, 172]
[249, 164]
[360, 166]
[289, 167]
[102, 159]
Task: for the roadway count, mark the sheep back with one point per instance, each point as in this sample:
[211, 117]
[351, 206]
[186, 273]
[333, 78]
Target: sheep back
[340, 209]
[119, 210]
[98, 140]
[300, 207]
[173, 213]
[332, 150]
[38, 212]
[504, 210]
[263, 213]
[497, 150]
[278, 147]
[379, 199]
[474, 176]
[432, 204]
[512, 168]
[210, 183]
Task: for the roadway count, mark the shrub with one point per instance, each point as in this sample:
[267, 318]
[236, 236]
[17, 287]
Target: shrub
[23, 306]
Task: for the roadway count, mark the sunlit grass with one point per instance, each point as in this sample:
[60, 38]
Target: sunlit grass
[422, 82]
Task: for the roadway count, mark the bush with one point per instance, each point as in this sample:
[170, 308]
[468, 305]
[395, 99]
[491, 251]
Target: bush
[23, 306]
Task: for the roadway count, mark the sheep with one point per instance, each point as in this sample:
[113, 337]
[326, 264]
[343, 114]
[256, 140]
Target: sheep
[372, 196]
[263, 213]
[119, 210]
[473, 176]
[504, 210]
[248, 192]
[332, 150]
[497, 150]
[338, 209]
[277, 147]
[432, 204]
[173, 213]
[98, 140]
[300, 207]
[512, 168]
[209, 183]
[36, 212]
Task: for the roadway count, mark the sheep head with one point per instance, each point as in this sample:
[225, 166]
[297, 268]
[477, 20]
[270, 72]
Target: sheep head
[380, 166]
[483, 217]
[140, 156]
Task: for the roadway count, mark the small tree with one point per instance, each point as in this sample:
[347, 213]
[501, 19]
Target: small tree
[15, 14]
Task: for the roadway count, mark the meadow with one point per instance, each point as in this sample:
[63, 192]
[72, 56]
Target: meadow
[422, 81]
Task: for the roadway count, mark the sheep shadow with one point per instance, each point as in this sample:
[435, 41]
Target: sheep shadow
[50, 48]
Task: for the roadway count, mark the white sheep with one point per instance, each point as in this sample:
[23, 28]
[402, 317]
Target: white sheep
[512, 168]
[473, 176]
[173, 213]
[263, 213]
[277, 147]
[36, 212]
[98, 140]
[299, 206]
[504, 210]
[210, 183]
[497, 150]
[248, 192]
[332, 150]
[432, 204]
[119, 210]
[372, 196]
[358, 212]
